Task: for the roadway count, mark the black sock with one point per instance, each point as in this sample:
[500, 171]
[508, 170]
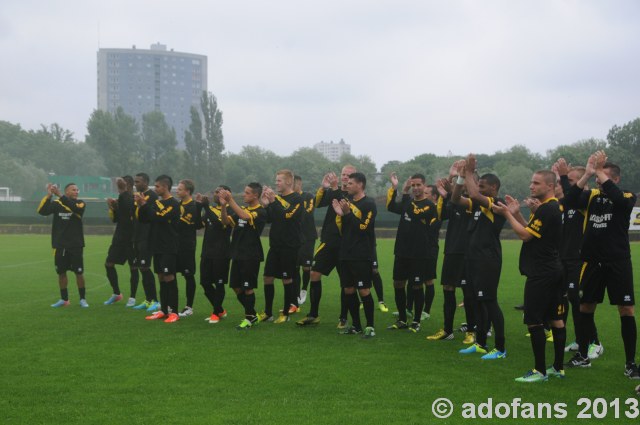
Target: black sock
[538, 342]
[190, 289]
[559, 341]
[209, 292]
[497, 319]
[133, 282]
[297, 282]
[586, 332]
[289, 295]
[482, 319]
[367, 302]
[354, 309]
[629, 337]
[401, 303]
[344, 305]
[112, 276]
[269, 294]
[83, 293]
[306, 277]
[164, 297]
[377, 286]
[418, 302]
[410, 296]
[449, 310]
[64, 294]
[241, 298]
[315, 295]
[173, 301]
[149, 286]
[429, 295]
[575, 314]
[469, 307]
[250, 304]
[219, 297]
[594, 336]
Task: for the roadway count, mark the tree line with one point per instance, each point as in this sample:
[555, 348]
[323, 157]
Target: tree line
[116, 144]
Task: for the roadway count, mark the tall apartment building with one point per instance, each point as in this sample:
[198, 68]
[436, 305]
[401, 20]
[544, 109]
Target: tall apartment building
[333, 151]
[141, 81]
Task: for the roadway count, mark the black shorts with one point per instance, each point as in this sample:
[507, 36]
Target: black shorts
[119, 254]
[326, 258]
[244, 274]
[484, 276]
[616, 277]
[543, 299]
[355, 274]
[413, 270]
[69, 259]
[305, 254]
[431, 268]
[186, 263]
[281, 263]
[571, 276]
[453, 270]
[165, 263]
[214, 270]
[141, 254]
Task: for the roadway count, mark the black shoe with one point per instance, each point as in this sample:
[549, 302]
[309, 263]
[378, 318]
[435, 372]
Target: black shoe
[398, 325]
[578, 361]
[351, 330]
[463, 327]
[631, 371]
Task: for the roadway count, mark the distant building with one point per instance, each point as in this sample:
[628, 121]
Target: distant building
[142, 81]
[333, 151]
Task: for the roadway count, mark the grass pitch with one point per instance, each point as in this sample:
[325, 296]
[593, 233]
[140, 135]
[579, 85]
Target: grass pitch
[106, 364]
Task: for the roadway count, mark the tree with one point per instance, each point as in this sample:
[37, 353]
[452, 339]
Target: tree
[624, 150]
[24, 179]
[576, 153]
[159, 144]
[115, 137]
[204, 141]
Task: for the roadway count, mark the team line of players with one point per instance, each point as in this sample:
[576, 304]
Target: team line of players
[575, 246]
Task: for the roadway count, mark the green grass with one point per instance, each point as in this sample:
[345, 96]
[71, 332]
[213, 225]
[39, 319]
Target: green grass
[106, 364]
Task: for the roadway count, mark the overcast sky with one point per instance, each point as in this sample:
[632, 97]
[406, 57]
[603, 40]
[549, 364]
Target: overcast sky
[392, 78]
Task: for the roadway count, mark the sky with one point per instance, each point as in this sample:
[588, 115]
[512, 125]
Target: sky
[394, 79]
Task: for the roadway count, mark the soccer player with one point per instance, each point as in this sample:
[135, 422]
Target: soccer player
[412, 245]
[453, 275]
[121, 212]
[246, 248]
[67, 238]
[483, 260]
[540, 263]
[572, 233]
[327, 255]
[142, 250]
[310, 234]
[163, 215]
[284, 212]
[606, 255]
[358, 217]
[187, 226]
[215, 256]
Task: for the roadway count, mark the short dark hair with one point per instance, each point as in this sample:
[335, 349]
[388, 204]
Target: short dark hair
[165, 180]
[419, 176]
[297, 178]
[492, 180]
[256, 187]
[129, 181]
[548, 176]
[69, 184]
[225, 187]
[360, 178]
[143, 176]
[614, 169]
[434, 190]
[189, 185]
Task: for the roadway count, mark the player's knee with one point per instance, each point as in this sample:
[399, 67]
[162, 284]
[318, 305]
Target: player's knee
[398, 284]
[364, 292]
[587, 308]
[626, 310]
[315, 276]
[449, 288]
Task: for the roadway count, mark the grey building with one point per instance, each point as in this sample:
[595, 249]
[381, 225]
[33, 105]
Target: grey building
[333, 151]
[141, 81]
